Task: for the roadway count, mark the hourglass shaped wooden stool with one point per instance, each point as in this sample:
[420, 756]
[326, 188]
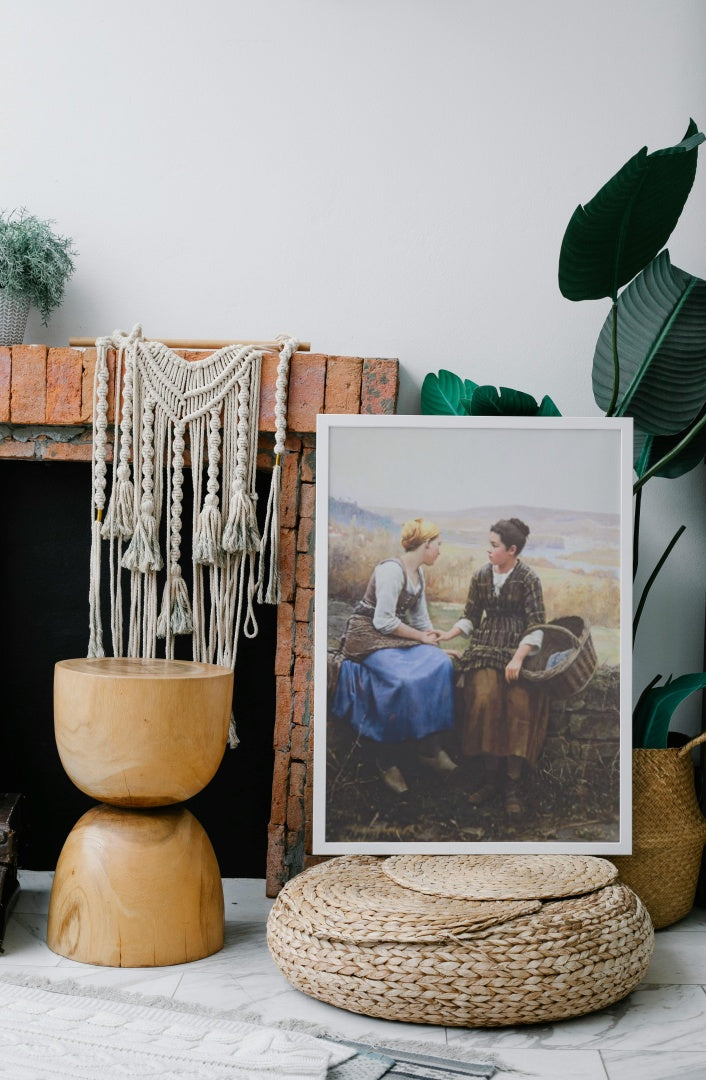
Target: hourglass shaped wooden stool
[137, 883]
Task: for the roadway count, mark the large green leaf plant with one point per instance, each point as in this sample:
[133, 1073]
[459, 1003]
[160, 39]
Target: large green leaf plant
[650, 358]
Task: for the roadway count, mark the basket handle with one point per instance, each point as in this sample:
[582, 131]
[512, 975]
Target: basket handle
[692, 745]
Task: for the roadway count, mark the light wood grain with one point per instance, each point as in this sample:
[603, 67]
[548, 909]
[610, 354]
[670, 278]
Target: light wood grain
[141, 732]
[136, 888]
[196, 343]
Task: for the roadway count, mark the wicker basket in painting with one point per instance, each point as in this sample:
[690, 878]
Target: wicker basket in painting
[570, 634]
[347, 933]
[668, 833]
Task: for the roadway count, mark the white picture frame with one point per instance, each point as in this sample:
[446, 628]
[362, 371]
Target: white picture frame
[570, 480]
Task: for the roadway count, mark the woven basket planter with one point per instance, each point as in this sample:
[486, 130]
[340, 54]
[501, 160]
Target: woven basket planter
[347, 933]
[13, 319]
[570, 634]
[668, 833]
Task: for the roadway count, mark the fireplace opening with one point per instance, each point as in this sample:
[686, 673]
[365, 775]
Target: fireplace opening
[44, 561]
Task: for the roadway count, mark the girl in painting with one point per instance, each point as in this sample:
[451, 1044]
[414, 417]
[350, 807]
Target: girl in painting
[395, 684]
[504, 720]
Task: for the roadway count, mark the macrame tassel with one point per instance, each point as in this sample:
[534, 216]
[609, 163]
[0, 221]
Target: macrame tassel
[233, 739]
[208, 549]
[120, 518]
[95, 640]
[273, 593]
[175, 614]
[143, 552]
[241, 532]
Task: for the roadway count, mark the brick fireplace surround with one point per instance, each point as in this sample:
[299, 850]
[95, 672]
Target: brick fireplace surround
[45, 415]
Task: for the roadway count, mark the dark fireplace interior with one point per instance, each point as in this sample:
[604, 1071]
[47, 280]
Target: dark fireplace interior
[44, 561]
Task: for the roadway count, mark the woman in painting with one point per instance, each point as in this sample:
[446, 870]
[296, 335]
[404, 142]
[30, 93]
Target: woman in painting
[504, 719]
[395, 685]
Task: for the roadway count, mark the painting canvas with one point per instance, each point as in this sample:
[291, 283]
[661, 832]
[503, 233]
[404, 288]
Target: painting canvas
[473, 613]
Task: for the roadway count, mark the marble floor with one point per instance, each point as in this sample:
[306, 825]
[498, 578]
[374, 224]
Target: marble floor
[658, 1033]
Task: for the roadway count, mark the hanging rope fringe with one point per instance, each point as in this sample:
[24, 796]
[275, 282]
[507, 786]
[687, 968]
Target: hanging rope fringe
[208, 541]
[273, 593]
[160, 401]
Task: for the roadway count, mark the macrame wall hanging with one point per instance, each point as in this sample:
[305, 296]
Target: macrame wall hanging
[161, 401]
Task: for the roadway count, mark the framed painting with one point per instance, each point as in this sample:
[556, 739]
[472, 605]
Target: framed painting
[473, 635]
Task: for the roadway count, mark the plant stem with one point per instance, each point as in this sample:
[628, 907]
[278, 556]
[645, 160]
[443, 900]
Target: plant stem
[669, 457]
[636, 533]
[616, 365]
[651, 579]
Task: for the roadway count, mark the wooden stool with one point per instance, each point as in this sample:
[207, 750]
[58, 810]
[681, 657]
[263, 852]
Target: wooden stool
[137, 886]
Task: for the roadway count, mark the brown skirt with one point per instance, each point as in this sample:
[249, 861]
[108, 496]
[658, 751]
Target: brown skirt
[502, 718]
[361, 639]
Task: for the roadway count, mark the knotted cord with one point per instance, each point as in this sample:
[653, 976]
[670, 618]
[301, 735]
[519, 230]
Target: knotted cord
[161, 401]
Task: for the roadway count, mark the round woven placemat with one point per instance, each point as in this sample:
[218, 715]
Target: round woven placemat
[360, 903]
[500, 877]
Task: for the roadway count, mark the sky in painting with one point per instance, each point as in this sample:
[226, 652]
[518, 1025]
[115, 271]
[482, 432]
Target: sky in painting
[454, 468]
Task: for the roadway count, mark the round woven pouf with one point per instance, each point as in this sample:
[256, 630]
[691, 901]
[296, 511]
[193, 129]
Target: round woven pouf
[349, 934]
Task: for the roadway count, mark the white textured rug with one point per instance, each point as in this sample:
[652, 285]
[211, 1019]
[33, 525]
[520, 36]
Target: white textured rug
[66, 1032]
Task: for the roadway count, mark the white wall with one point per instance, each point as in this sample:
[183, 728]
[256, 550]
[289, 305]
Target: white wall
[382, 177]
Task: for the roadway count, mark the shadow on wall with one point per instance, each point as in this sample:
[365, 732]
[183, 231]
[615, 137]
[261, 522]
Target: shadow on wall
[44, 560]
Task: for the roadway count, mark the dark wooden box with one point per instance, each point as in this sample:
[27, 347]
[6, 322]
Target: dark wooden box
[10, 832]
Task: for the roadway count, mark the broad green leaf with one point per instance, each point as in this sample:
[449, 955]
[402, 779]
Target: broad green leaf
[648, 450]
[547, 407]
[443, 394]
[610, 239]
[489, 401]
[653, 713]
[661, 350]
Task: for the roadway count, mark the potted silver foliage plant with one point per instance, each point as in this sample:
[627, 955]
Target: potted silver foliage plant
[35, 264]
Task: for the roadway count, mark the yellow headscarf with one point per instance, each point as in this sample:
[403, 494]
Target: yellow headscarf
[417, 532]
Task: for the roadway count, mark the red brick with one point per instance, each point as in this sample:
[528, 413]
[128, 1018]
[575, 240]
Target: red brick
[88, 372]
[295, 819]
[287, 562]
[304, 605]
[300, 740]
[5, 374]
[302, 674]
[309, 810]
[12, 448]
[305, 534]
[307, 500]
[305, 571]
[308, 463]
[28, 399]
[64, 378]
[343, 382]
[296, 800]
[54, 451]
[302, 709]
[289, 499]
[284, 654]
[275, 860]
[380, 386]
[283, 712]
[303, 640]
[292, 444]
[280, 785]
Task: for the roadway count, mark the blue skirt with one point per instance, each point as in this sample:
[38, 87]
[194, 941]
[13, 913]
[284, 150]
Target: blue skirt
[397, 694]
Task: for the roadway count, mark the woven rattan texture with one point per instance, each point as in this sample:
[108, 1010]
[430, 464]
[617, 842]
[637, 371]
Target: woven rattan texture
[360, 903]
[500, 877]
[571, 957]
[669, 831]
